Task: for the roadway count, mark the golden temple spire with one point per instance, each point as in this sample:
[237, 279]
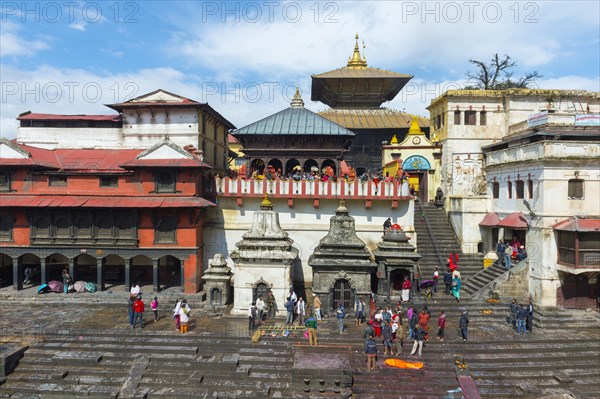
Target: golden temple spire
[297, 100]
[266, 203]
[356, 61]
[394, 140]
[414, 127]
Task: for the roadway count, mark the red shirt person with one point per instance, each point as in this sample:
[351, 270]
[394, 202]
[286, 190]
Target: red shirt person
[138, 311]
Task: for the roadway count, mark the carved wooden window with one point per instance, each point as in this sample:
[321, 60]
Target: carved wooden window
[575, 189]
[6, 227]
[165, 229]
[109, 181]
[495, 189]
[4, 180]
[509, 189]
[457, 117]
[483, 118]
[165, 181]
[57, 181]
[520, 192]
[470, 117]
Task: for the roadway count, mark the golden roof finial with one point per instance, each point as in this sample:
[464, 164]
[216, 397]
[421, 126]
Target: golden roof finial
[297, 100]
[394, 140]
[356, 61]
[266, 203]
[414, 127]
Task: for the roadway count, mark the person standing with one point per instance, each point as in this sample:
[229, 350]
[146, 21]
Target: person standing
[512, 317]
[130, 302]
[138, 310]
[500, 251]
[521, 319]
[252, 313]
[463, 324]
[260, 308]
[456, 285]
[448, 281]
[359, 311]
[436, 277]
[340, 313]
[507, 255]
[418, 343]
[27, 272]
[66, 281]
[453, 260]
[441, 326]
[184, 316]
[135, 290]
[176, 315]
[317, 306]
[368, 332]
[301, 311]
[530, 316]
[398, 336]
[293, 296]
[311, 324]
[289, 307]
[406, 286]
[371, 353]
[424, 323]
[154, 307]
[271, 305]
[386, 332]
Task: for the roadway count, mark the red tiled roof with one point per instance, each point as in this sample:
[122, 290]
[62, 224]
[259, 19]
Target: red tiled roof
[165, 163]
[491, 219]
[584, 225]
[67, 201]
[58, 117]
[231, 139]
[515, 221]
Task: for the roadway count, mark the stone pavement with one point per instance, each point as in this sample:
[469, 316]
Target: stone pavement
[77, 348]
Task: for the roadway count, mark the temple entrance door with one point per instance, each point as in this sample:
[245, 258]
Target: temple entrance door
[575, 292]
[397, 278]
[261, 290]
[343, 293]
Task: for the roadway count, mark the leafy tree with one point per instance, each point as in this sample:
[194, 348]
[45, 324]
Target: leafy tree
[498, 75]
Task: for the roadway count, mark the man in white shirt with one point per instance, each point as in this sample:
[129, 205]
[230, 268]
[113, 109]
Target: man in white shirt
[260, 306]
[301, 311]
[135, 290]
[436, 276]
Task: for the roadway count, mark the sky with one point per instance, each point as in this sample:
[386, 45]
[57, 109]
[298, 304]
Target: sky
[246, 58]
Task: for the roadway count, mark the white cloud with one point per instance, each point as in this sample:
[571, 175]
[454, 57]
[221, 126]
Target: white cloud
[79, 25]
[570, 83]
[15, 43]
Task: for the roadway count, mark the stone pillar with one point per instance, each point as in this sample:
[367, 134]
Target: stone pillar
[44, 278]
[127, 274]
[17, 283]
[155, 282]
[182, 271]
[99, 275]
[72, 268]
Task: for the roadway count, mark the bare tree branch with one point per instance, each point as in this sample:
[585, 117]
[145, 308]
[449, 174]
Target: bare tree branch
[498, 74]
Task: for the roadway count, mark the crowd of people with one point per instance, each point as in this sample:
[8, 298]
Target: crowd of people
[510, 252]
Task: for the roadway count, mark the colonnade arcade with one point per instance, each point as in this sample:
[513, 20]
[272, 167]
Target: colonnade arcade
[287, 166]
[106, 268]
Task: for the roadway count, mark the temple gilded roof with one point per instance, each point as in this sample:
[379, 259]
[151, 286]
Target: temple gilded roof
[368, 72]
[379, 118]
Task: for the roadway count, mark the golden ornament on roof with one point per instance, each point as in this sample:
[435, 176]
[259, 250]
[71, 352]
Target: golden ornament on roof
[356, 61]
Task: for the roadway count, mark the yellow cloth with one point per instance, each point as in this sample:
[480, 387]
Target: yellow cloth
[403, 364]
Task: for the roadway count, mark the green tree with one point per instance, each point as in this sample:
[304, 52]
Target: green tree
[498, 75]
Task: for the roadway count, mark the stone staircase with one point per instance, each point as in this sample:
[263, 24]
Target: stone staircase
[483, 278]
[442, 233]
[558, 358]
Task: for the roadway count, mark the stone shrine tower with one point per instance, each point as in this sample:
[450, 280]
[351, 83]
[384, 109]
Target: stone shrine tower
[263, 261]
[217, 281]
[342, 264]
[396, 259]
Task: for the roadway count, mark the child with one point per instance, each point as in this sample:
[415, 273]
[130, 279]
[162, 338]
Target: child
[154, 307]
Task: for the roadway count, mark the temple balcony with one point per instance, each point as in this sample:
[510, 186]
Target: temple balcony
[370, 190]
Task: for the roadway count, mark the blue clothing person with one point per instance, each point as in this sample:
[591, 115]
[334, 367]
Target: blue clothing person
[289, 306]
[340, 313]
